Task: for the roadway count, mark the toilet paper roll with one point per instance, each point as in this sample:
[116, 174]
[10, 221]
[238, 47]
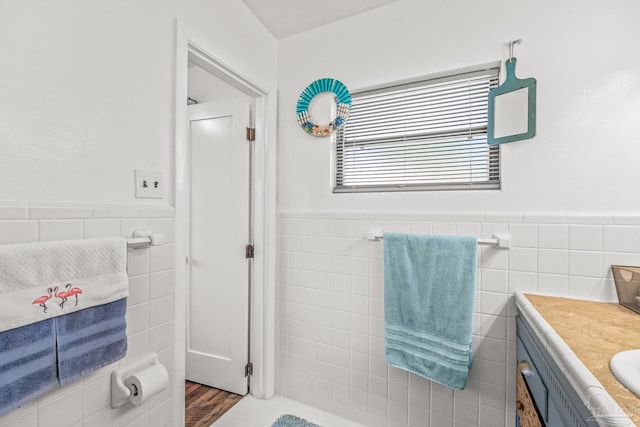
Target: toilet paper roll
[147, 383]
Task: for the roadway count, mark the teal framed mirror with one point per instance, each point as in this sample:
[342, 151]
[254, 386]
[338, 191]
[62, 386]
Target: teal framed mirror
[512, 108]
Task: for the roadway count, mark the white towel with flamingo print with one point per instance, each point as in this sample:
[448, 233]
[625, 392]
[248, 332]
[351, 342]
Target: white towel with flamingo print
[43, 280]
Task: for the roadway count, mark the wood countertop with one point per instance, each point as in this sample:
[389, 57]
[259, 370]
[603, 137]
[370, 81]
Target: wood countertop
[595, 331]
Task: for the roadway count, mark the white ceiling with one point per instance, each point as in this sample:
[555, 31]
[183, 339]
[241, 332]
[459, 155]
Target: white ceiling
[287, 17]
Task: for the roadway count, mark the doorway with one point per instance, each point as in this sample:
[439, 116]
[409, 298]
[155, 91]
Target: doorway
[262, 211]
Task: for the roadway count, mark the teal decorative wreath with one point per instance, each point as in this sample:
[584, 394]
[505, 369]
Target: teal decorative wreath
[343, 104]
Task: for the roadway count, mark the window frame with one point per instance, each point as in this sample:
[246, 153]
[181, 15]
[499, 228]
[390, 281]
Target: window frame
[493, 152]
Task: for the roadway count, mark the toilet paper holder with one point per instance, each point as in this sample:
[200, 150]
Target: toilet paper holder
[120, 393]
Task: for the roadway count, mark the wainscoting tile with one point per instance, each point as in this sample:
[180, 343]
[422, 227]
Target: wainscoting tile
[524, 235]
[58, 410]
[582, 263]
[157, 212]
[585, 237]
[162, 258]
[128, 226]
[59, 212]
[545, 218]
[595, 219]
[552, 253]
[164, 226]
[137, 262]
[553, 236]
[621, 239]
[508, 217]
[521, 259]
[161, 284]
[97, 396]
[18, 232]
[626, 219]
[466, 216]
[137, 318]
[138, 290]
[115, 211]
[553, 284]
[553, 261]
[14, 210]
[29, 418]
[433, 216]
[101, 228]
[61, 230]
[161, 311]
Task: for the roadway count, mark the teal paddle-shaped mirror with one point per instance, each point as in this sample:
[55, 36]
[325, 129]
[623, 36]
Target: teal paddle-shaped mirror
[512, 107]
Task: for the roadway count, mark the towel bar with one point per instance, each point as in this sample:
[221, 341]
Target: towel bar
[143, 239]
[499, 240]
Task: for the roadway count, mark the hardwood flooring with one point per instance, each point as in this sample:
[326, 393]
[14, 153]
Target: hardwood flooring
[205, 404]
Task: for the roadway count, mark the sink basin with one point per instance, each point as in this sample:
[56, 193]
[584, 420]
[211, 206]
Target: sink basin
[625, 366]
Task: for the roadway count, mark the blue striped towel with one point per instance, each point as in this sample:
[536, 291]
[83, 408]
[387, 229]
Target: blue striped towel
[62, 313]
[429, 291]
[90, 339]
[27, 364]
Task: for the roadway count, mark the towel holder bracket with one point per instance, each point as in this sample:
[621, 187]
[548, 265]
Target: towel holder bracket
[143, 239]
[374, 234]
[503, 241]
[498, 240]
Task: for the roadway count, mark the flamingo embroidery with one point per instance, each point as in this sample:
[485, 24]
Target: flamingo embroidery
[64, 296]
[42, 301]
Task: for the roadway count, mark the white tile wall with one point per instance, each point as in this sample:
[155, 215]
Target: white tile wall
[150, 312]
[330, 307]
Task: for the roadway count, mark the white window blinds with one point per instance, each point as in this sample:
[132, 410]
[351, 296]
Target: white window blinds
[428, 135]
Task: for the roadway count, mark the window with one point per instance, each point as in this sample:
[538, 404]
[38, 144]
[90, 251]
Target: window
[426, 135]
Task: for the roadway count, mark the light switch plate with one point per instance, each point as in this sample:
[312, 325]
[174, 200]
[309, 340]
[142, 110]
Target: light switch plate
[149, 184]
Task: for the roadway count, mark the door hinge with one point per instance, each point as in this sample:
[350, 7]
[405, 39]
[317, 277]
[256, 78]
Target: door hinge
[251, 134]
[248, 369]
[249, 251]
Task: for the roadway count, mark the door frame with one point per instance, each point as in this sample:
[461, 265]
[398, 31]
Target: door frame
[263, 203]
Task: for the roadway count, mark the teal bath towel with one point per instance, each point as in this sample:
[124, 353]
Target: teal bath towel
[429, 292]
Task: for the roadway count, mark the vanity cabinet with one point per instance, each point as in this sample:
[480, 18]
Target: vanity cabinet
[556, 402]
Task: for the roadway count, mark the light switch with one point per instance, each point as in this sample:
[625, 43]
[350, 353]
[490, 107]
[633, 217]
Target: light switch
[149, 184]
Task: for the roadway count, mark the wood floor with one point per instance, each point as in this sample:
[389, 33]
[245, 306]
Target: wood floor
[204, 404]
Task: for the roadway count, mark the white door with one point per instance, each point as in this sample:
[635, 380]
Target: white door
[218, 276]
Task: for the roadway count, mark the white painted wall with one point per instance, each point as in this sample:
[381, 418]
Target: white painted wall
[87, 90]
[581, 53]
[87, 95]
